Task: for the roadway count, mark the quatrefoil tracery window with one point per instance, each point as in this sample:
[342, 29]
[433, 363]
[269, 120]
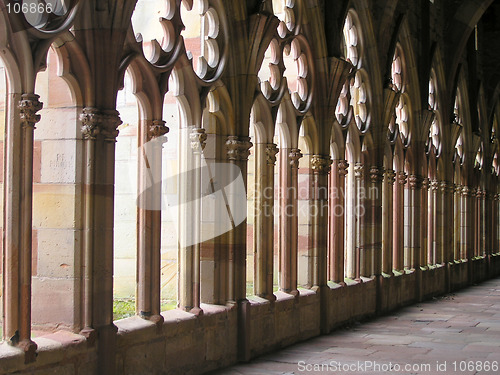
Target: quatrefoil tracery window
[286, 57]
[434, 138]
[354, 94]
[158, 24]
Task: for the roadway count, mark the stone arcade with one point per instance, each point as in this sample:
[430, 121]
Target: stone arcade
[192, 183]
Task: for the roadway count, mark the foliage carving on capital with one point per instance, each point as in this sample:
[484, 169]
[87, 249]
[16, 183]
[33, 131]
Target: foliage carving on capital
[376, 174]
[402, 178]
[158, 129]
[98, 122]
[390, 176]
[294, 157]
[359, 170]
[321, 164]
[415, 181]
[238, 148]
[28, 106]
[342, 166]
[271, 152]
[198, 138]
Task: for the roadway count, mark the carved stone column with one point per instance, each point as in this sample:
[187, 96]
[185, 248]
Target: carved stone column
[424, 224]
[337, 213]
[415, 200]
[433, 242]
[457, 240]
[238, 150]
[468, 229]
[359, 211]
[289, 221]
[99, 132]
[446, 190]
[149, 219]
[264, 220]
[18, 224]
[198, 139]
[320, 165]
[373, 225]
[398, 217]
[387, 220]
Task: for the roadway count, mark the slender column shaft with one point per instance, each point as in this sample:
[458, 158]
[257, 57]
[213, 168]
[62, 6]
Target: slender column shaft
[337, 213]
[387, 221]
[321, 167]
[415, 198]
[457, 201]
[398, 229]
[359, 211]
[237, 152]
[264, 220]
[149, 220]
[289, 221]
[424, 223]
[18, 221]
[373, 222]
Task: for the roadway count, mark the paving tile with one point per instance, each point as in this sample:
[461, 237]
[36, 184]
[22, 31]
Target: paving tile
[464, 326]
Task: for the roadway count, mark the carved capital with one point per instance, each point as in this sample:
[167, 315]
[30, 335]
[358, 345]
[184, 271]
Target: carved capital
[426, 183]
[158, 129]
[376, 174]
[359, 171]
[415, 181]
[238, 148]
[342, 167]
[321, 164]
[458, 189]
[496, 197]
[446, 187]
[434, 185]
[271, 152]
[466, 191]
[102, 123]
[198, 139]
[390, 176]
[402, 178]
[294, 157]
[28, 106]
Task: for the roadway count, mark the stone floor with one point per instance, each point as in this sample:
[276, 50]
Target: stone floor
[455, 334]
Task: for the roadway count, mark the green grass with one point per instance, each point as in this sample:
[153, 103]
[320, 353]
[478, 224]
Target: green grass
[125, 307]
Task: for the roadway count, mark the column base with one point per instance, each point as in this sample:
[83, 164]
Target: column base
[90, 335]
[29, 348]
[197, 311]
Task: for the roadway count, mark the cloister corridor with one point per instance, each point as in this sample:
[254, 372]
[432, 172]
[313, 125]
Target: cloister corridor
[457, 333]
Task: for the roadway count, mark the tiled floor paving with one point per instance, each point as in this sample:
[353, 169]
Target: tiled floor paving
[455, 334]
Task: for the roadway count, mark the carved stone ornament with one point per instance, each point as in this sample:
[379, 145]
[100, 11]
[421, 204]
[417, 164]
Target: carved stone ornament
[28, 106]
[294, 157]
[238, 148]
[426, 183]
[342, 167]
[102, 123]
[402, 178]
[198, 139]
[321, 164]
[359, 170]
[158, 129]
[390, 176]
[271, 152]
[415, 181]
[376, 174]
